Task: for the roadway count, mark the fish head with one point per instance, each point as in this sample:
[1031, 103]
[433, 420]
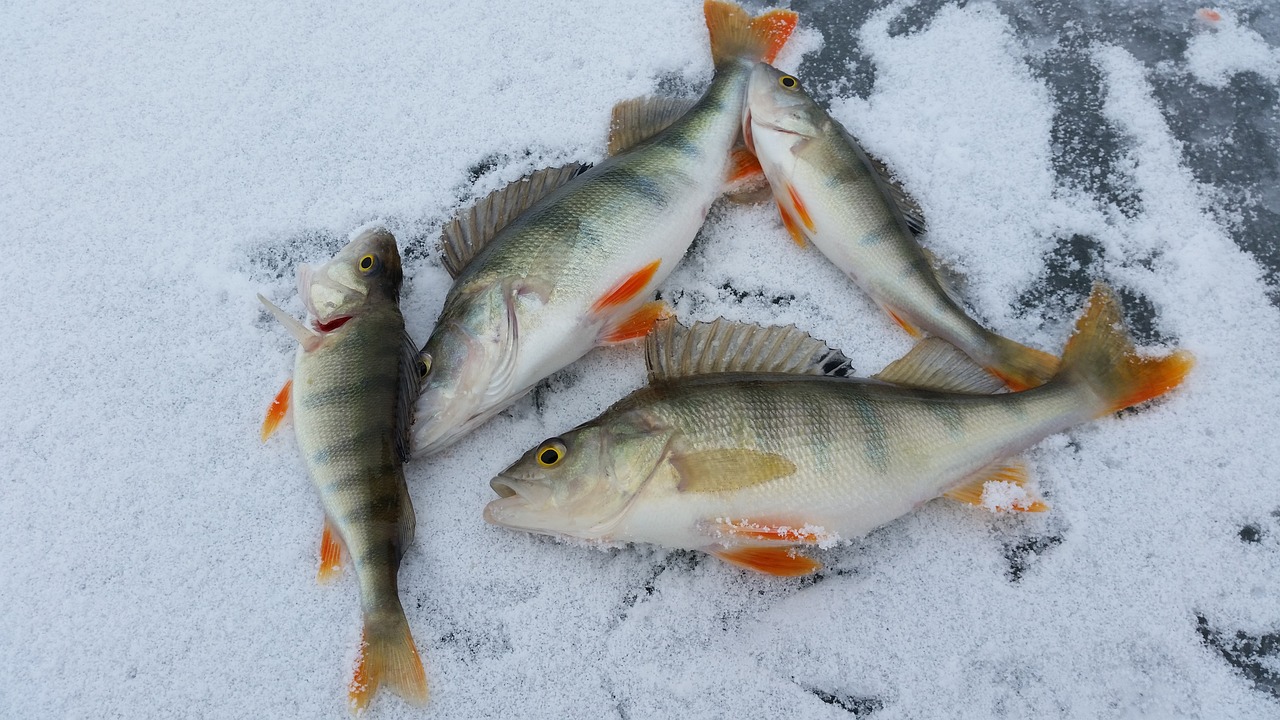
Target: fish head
[580, 484]
[778, 110]
[467, 366]
[366, 270]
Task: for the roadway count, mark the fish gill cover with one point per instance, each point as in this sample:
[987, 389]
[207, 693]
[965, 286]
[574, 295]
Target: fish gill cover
[164, 164]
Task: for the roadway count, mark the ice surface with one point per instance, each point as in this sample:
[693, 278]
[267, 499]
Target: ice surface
[162, 164]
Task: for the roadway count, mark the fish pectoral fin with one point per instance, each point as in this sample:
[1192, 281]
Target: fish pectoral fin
[276, 411]
[471, 230]
[745, 182]
[792, 226]
[308, 338]
[772, 560]
[724, 469]
[675, 351]
[935, 364]
[638, 324]
[639, 119]
[1012, 493]
[330, 555]
[628, 288]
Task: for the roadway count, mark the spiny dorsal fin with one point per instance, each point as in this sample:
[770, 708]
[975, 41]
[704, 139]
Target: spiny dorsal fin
[472, 229]
[1015, 495]
[411, 374]
[935, 364]
[639, 119]
[674, 351]
[705, 471]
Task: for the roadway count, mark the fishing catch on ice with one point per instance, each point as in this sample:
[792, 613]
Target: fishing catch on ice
[355, 378]
[568, 258]
[831, 193]
[743, 445]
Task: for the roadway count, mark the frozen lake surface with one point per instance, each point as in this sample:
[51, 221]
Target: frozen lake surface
[163, 163]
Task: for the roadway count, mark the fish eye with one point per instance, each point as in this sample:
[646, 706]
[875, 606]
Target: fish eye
[424, 365]
[551, 452]
[368, 263]
[788, 82]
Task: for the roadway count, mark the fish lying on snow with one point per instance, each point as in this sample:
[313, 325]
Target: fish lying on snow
[741, 447]
[829, 191]
[553, 265]
[354, 381]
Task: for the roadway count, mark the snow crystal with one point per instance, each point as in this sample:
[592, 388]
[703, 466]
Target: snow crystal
[164, 163]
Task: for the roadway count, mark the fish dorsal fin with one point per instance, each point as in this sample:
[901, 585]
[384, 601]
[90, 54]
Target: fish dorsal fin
[470, 231]
[639, 119]
[675, 351]
[935, 364]
[889, 185]
[411, 374]
[1013, 495]
[724, 469]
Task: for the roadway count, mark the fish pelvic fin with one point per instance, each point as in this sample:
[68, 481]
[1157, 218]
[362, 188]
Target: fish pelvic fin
[735, 34]
[330, 555]
[1101, 356]
[1019, 366]
[388, 657]
[770, 560]
[639, 323]
[276, 411]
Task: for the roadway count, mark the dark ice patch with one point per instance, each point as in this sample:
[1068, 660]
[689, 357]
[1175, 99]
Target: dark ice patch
[1250, 654]
[1022, 555]
[1251, 533]
[275, 259]
[856, 705]
[917, 16]
[839, 68]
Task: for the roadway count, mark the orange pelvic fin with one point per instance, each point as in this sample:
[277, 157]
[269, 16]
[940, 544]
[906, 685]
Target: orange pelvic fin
[1011, 472]
[330, 555]
[735, 34]
[276, 412]
[639, 323]
[743, 166]
[388, 657]
[628, 288]
[792, 226]
[801, 210]
[912, 330]
[775, 560]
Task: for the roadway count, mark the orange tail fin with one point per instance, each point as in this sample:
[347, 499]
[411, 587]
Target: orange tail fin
[1101, 355]
[388, 657]
[735, 34]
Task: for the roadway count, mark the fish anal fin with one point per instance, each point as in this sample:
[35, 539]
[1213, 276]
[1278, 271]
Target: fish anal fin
[627, 288]
[912, 330]
[276, 411]
[792, 226]
[675, 351]
[727, 469]
[471, 230]
[801, 210]
[770, 560]
[330, 555]
[639, 119]
[935, 364]
[1010, 494]
[639, 323]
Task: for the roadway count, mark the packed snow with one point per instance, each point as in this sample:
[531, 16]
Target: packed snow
[164, 163]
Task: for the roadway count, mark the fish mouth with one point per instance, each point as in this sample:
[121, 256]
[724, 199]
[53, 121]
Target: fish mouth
[516, 498]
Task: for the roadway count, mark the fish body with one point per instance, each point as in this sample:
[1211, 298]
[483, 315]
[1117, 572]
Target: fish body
[353, 379]
[576, 269]
[749, 465]
[830, 193]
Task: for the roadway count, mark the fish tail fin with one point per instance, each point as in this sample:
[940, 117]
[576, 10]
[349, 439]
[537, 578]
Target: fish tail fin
[388, 657]
[1019, 366]
[1101, 356]
[735, 34]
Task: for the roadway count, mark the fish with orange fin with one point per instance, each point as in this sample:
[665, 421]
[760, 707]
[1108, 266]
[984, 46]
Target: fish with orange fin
[831, 193]
[355, 378]
[746, 443]
[568, 258]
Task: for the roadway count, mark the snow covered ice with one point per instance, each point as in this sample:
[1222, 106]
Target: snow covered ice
[162, 164]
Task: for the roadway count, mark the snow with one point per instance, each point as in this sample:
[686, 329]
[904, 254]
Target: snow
[162, 164]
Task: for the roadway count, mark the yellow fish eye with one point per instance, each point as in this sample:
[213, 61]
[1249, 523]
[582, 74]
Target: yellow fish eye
[424, 365]
[368, 263]
[551, 452]
[788, 82]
